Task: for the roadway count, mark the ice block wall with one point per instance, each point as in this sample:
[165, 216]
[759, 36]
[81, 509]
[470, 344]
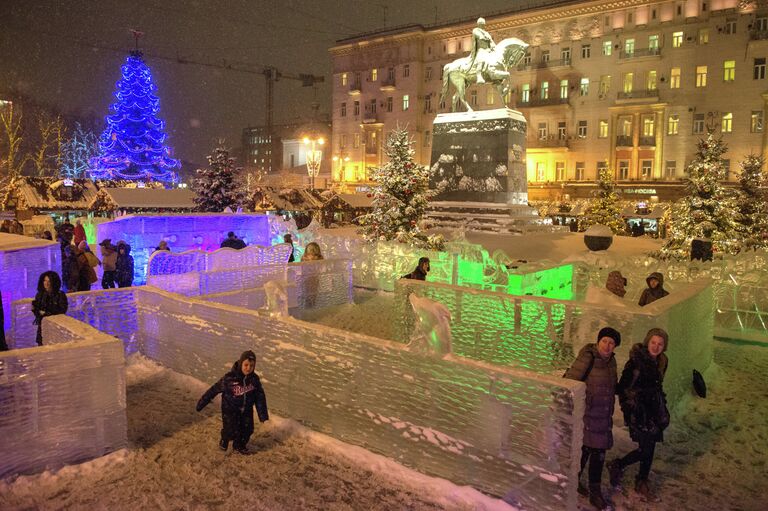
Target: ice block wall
[112, 311]
[22, 260]
[182, 232]
[251, 298]
[543, 335]
[62, 403]
[505, 431]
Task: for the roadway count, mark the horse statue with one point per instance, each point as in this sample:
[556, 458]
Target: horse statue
[507, 54]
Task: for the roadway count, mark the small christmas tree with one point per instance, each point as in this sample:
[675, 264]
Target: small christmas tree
[604, 209]
[218, 187]
[753, 219]
[132, 144]
[400, 199]
[708, 211]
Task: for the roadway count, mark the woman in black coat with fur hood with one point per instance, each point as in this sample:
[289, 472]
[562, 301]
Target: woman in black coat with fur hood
[644, 405]
[49, 300]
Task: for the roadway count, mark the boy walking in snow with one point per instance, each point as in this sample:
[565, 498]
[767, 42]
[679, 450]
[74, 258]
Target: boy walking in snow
[241, 390]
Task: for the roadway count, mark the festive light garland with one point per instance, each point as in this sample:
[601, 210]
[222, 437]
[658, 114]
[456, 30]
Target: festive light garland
[131, 146]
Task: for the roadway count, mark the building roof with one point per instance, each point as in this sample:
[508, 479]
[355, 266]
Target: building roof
[357, 200]
[49, 194]
[147, 198]
[286, 199]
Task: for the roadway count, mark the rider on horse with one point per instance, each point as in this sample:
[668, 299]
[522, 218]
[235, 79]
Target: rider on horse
[482, 46]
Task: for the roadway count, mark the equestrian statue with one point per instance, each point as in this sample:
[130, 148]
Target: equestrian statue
[486, 63]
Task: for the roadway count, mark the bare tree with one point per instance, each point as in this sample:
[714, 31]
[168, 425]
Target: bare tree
[11, 161]
[47, 156]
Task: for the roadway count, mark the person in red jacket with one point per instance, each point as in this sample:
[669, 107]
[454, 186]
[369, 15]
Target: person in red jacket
[79, 232]
[241, 390]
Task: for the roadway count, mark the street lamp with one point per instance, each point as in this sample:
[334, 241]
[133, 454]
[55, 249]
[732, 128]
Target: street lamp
[314, 157]
[341, 161]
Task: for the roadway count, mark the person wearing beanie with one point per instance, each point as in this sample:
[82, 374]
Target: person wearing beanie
[595, 365]
[241, 390]
[644, 405]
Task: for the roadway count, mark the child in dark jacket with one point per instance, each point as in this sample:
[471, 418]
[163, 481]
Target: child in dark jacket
[241, 389]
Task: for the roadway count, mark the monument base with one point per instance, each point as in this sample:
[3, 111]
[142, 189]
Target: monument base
[486, 216]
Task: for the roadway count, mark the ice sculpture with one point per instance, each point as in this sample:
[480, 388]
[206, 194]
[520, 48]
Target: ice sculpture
[277, 298]
[183, 232]
[43, 423]
[433, 331]
[22, 260]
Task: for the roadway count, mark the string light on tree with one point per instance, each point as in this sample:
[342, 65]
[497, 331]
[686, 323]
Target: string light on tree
[132, 146]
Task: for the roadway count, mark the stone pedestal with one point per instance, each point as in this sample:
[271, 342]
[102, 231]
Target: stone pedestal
[479, 172]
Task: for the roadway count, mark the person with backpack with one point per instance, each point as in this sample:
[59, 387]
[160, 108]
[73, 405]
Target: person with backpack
[595, 365]
[644, 405]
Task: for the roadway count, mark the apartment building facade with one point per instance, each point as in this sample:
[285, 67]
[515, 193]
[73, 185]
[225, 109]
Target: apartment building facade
[628, 84]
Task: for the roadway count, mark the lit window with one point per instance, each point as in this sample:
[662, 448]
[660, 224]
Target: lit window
[628, 80]
[579, 171]
[544, 90]
[649, 126]
[582, 129]
[727, 123]
[729, 70]
[489, 96]
[670, 169]
[653, 42]
[560, 171]
[344, 79]
[626, 126]
[602, 129]
[756, 121]
[563, 89]
[525, 95]
[673, 125]
[605, 85]
[565, 55]
[701, 76]
[674, 78]
[629, 47]
[584, 87]
[374, 74]
[562, 131]
[607, 48]
[677, 39]
[623, 170]
[541, 171]
[646, 168]
[406, 102]
[650, 82]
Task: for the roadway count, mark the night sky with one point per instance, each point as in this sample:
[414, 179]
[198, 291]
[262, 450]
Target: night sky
[69, 53]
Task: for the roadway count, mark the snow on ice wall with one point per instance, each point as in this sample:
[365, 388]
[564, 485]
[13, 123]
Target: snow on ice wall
[182, 232]
[543, 335]
[22, 260]
[61, 403]
[112, 311]
[505, 431]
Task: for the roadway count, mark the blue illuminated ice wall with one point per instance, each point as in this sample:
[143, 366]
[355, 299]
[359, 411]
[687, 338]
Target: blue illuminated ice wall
[22, 260]
[203, 231]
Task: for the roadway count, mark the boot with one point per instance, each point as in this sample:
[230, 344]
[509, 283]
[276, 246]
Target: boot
[615, 472]
[223, 444]
[596, 497]
[644, 490]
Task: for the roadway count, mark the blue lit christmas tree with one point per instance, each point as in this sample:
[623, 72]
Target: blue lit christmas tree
[132, 144]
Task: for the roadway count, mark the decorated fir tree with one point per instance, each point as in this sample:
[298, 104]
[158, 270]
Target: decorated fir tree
[218, 186]
[708, 211]
[753, 219]
[132, 146]
[400, 199]
[604, 208]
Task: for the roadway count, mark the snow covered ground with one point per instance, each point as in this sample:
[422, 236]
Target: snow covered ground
[173, 462]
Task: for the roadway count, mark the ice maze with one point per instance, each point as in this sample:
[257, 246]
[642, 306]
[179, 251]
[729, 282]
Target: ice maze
[492, 412]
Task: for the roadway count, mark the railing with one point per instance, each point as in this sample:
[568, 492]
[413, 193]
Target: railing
[758, 35]
[555, 142]
[648, 141]
[624, 141]
[644, 52]
[370, 118]
[542, 65]
[639, 94]
[544, 102]
[387, 83]
[355, 87]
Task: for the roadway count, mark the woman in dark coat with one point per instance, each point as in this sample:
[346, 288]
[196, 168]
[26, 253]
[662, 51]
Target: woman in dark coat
[124, 265]
[644, 405]
[49, 300]
[596, 367]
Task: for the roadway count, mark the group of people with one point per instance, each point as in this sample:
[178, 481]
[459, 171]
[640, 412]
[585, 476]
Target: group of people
[642, 401]
[616, 284]
[11, 227]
